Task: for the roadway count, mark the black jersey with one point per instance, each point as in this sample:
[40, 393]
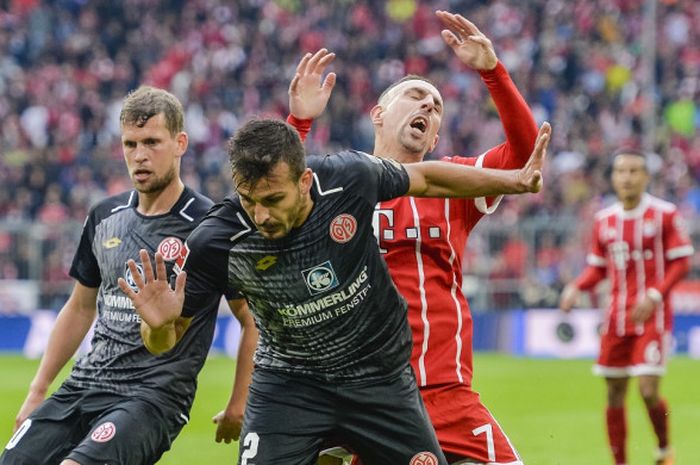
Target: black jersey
[322, 296]
[118, 360]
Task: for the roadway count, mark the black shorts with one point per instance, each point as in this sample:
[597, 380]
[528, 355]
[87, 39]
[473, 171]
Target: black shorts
[94, 429]
[288, 418]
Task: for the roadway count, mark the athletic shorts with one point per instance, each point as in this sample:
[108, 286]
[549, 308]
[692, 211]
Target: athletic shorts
[624, 356]
[94, 429]
[467, 431]
[465, 427]
[288, 418]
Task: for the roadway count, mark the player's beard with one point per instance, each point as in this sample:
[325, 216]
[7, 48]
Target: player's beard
[157, 184]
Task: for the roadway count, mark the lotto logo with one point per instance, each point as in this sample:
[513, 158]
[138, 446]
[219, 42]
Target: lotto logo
[104, 432]
[424, 458]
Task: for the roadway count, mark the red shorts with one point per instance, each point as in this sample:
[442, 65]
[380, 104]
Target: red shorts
[465, 427]
[624, 356]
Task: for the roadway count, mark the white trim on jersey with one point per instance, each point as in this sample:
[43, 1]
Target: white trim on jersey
[638, 261]
[660, 267]
[242, 232]
[622, 281]
[329, 191]
[182, 211]
[595, 260]
[480, 202]
[678, 252]
[453, 293]
[422, 380]
[127, 205]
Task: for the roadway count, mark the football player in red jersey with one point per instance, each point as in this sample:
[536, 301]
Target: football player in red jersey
[640, 244]
[423, 240]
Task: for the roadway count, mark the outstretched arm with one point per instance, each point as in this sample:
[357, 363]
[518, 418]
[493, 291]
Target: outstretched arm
[157, 304]
[439, 179]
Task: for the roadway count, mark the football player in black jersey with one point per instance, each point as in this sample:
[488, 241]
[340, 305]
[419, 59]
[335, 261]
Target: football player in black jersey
[296, 240]
[121, 403]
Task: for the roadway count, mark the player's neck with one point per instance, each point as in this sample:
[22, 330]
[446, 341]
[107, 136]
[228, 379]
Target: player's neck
[159, 203]
[630, 203]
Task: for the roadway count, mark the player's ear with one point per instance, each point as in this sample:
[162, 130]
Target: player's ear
[182, 141]
[305, 181]
[376, 114]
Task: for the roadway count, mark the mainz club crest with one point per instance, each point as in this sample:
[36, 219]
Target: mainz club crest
[104, 432]
[424, 458]
[343, 228]
[170, 248]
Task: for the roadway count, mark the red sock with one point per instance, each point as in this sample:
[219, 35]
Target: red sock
[659, 420]
[617, 433]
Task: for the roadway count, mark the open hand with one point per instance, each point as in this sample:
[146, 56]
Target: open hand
[156, 303]
[308, 96]
[470, 45]
[531, 174]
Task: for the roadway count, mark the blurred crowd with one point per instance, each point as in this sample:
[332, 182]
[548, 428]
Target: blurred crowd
[600, 71]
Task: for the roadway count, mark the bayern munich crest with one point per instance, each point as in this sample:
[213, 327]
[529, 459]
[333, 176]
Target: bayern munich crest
[343, 228]
[170, 248]
[424, 458]
[104, 432]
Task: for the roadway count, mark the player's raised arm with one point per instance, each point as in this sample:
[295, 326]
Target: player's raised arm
[470, 45]
[158, 305]
[308, 91]
[439, 179]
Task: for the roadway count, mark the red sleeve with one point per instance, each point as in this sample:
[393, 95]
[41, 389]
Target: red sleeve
[591, 276]
[675, 271]
[596, 270]
[516, 117]
[303, 126]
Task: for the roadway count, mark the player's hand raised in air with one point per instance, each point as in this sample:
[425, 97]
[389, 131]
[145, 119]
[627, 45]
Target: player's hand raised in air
[531, 174]
[308, 93]
[470, 45]
[156, 303]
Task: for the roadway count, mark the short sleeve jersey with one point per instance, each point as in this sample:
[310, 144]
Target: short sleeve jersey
[321, 297]
[118, 361]
[635, 247]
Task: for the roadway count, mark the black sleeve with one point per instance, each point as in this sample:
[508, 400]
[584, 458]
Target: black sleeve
[84, 267]
[372, 178]
[206, 264]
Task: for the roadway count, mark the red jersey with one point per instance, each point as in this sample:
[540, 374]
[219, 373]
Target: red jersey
[635, 247]
[423, 241]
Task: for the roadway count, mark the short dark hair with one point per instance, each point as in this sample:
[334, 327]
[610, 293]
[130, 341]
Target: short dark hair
[259, 145]
[146, 102]
[409, 77]
[631, 151]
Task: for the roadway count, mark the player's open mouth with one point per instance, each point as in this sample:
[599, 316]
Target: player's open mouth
[420, 123]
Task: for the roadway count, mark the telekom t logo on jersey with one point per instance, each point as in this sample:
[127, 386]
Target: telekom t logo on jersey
[387, 232]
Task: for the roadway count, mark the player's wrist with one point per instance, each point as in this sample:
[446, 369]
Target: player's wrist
[655, 295]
